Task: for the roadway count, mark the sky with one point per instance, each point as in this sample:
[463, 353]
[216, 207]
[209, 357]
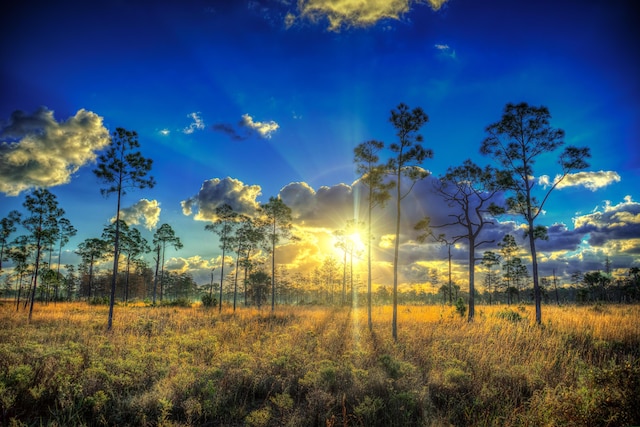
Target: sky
[239, 101]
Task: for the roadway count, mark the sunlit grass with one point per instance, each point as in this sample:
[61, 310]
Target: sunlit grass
[319, 366]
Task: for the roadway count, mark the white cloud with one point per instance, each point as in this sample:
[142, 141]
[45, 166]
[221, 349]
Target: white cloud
[355, 13]
[37, 151]
[216, 192]
[197, 124]
[590, 180]
[442, 46]
[165, 132]
[264, 129]
[144, 211]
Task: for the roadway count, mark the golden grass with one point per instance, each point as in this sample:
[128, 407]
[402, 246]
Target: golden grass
[319, 366]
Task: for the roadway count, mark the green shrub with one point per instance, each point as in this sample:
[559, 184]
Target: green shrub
[208, 300]
[99, 301]
[508, 314]
[461, 307]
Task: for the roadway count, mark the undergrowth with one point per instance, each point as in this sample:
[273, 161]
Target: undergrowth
[179, 366]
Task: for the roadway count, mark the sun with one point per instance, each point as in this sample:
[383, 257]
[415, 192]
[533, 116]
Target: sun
[350, 245]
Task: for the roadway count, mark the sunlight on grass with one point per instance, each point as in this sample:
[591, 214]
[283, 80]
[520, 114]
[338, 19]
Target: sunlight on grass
[318, 365]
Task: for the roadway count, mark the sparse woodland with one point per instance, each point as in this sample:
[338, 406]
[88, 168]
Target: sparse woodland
[261, 346]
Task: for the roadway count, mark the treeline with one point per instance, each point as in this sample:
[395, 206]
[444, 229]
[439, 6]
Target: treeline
[248, 240]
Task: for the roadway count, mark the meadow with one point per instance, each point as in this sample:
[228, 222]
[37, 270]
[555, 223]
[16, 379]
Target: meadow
[319, 366]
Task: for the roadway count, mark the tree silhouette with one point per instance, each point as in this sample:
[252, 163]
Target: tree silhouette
[223, 227]
[490, 259]
[65, 231]
[121, 168]
[162, 237]
[409, 155]
[91, 250]
[470, 189]
[278, 216]
[250, 234]
[424, 225]
[7, 227]
[516, 142]
[372, 174]
[19, 253]
[42, 206]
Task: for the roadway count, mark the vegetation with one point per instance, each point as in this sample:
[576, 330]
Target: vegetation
[319, 366]
[121, 168]
[516, 142]
[405, 165]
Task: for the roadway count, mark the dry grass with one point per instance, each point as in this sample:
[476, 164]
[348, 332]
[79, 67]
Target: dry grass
[319, 366]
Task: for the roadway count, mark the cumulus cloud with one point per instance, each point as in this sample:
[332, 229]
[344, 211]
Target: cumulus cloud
[264, 129]
[611, 222]
[328, 207]
[216, 192]
[246, 128]
[38, 151]
[590, 180]
[355, 13]
[196, 124]
[145, 212]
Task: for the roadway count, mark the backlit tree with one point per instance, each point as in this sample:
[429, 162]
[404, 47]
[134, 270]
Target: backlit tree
[121, 168]
[516, 142]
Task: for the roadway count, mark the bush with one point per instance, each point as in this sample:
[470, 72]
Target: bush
[99, 301]
[508, 314]
[208, 300]
[461, 308]
[179, 302]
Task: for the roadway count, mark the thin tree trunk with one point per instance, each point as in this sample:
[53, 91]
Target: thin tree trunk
[394, 322]
[112, 298]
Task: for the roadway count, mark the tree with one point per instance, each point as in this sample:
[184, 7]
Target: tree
[508, 250]
[329, 271]
[258, 284]
[424, 225]
[250, 234]
[372, 175]
[161, 238]
[409, 155]
[42, 206]
[90, 251]
[19, 254]
[121, 168]
[70, 281]
[278, 216]
[65, 232]
[490, 259]
[471, 190]
[516, 142]
[341, 243]
[223, 227]
[132, 244]
[7, 227]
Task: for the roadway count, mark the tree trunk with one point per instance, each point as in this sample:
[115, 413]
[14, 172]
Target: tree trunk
[112, 298]
[394, 322]
[472, 287]
[537, 295]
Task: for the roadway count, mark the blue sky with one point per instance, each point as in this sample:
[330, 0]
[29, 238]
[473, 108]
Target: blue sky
[243, 100]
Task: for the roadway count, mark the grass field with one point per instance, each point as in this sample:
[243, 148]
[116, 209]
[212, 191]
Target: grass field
[319, 366]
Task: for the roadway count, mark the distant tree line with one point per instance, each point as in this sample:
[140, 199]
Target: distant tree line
[249, 240]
